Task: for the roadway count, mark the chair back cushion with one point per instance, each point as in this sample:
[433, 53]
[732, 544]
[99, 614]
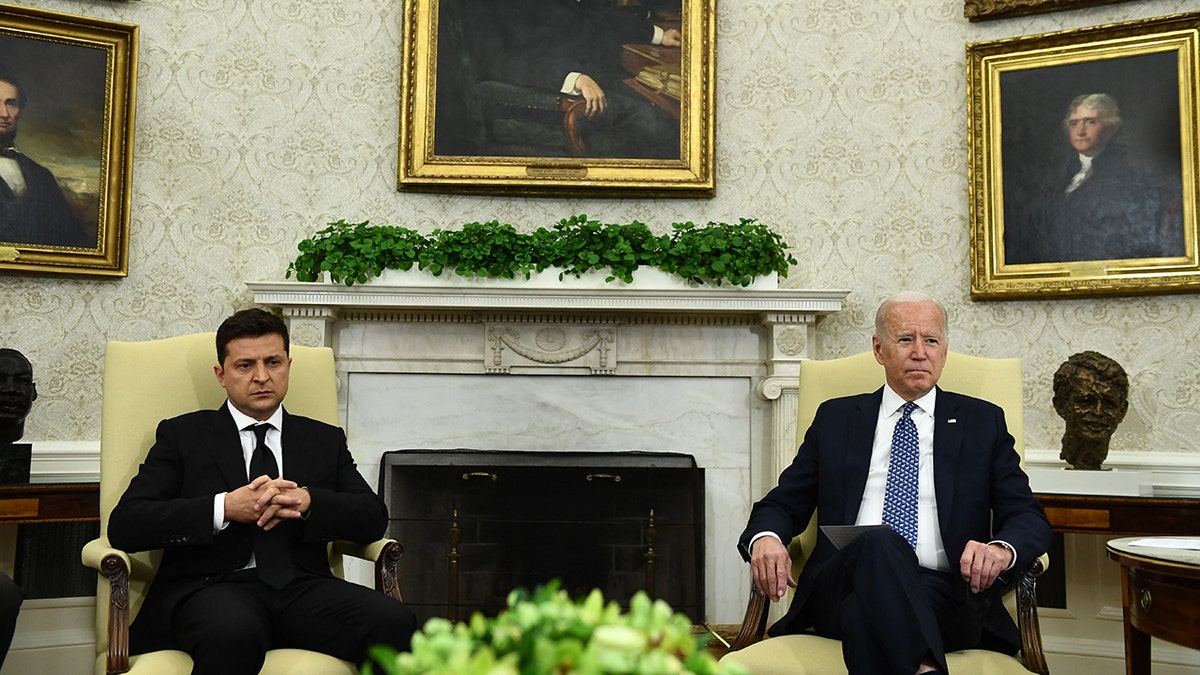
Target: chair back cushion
[147, 382]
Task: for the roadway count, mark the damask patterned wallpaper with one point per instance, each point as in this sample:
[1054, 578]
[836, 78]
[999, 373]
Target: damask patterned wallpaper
[841, 123]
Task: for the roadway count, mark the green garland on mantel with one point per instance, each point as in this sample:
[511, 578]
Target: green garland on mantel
[716, 253]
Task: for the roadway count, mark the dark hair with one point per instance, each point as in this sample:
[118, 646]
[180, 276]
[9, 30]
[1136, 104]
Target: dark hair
[248, 323]
[7, 76]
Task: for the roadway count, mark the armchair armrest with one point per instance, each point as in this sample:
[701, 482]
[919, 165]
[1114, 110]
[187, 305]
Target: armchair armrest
[385, 553]
[1027, 617]
[754, 623]
[114, 564]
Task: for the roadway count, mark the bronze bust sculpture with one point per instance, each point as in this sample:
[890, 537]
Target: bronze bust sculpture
[1091, 393]
[17, 394]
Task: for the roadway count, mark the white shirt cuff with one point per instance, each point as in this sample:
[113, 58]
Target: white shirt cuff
[1011, 550]
[219, 522]
[760, 535]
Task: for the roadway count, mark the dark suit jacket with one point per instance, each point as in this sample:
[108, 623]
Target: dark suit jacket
[1121, 211]
[169, 505]
[41, 216]
[536, 43]
[982, 493]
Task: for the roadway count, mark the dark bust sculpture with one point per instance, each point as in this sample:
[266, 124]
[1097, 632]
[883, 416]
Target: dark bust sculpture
[17, 394]
[1091, 393]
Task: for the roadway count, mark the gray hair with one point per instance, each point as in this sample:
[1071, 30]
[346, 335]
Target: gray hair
[1103, 103]
[901, 298]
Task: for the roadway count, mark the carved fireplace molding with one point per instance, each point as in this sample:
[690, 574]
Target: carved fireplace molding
[388, 340]
[554, 331]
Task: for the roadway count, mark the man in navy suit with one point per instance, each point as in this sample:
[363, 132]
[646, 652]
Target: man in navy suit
[244, 500]
[898, 603]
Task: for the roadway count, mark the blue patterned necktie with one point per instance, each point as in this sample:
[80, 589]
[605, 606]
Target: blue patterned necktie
[900, 497]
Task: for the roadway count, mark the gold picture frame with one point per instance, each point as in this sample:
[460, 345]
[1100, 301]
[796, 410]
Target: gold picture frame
[71, 161]
[981, 10]
[473, 120]
[1043, 224]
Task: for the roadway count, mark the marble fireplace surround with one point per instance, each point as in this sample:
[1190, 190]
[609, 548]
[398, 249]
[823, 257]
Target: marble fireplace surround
[708, 372]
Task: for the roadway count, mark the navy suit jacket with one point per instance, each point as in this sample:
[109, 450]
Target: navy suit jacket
[169, 505]
[982, 493]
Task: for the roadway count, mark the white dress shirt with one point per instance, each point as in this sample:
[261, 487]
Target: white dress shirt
[931, 552]
[274, 441]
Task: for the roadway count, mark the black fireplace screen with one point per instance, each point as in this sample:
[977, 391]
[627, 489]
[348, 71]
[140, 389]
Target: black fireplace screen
[475, 524]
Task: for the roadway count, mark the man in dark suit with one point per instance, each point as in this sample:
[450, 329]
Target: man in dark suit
[33, 209]
[244, 500]
[960, 512]
[574, 47]
[1099, 205]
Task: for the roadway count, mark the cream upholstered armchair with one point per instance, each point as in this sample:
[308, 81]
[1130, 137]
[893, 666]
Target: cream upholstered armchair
[997, 380]
[145, 382]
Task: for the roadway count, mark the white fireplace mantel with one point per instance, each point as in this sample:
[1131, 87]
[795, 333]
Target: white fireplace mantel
[709, 372]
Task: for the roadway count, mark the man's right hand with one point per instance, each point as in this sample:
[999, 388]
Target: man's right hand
[772, 567]
[593, 96]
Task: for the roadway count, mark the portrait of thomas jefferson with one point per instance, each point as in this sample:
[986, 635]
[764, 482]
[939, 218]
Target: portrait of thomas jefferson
[1100, 177]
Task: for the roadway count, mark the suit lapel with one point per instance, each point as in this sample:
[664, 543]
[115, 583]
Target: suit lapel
[295, 450]
[947, 445]
[224, 444]
[860, 439]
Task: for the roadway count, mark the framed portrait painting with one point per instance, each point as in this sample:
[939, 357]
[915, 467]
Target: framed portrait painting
[67, 87]
[1083, 161]
[981, 10]
[552, 97]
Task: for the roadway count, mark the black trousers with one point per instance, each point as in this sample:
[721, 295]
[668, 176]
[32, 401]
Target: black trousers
[889, 612]
[228, 626]
[10, 606]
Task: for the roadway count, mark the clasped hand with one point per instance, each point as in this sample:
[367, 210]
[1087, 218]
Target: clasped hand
[266, 502]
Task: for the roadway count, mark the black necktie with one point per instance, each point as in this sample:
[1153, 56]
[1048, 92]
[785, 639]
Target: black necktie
[271, 555]
[263, 460]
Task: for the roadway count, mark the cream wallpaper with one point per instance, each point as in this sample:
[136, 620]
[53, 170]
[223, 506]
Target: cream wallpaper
[841, 123]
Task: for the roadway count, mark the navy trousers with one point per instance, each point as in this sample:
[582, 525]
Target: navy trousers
[889, 612]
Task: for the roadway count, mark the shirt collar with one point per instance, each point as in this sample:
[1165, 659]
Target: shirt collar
[892, 402]
[243, 420]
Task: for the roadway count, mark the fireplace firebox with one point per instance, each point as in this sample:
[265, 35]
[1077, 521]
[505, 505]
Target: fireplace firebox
[476, 524]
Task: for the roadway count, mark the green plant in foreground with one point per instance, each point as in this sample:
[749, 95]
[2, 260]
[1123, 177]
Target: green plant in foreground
[716, 253]
[548, 633]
